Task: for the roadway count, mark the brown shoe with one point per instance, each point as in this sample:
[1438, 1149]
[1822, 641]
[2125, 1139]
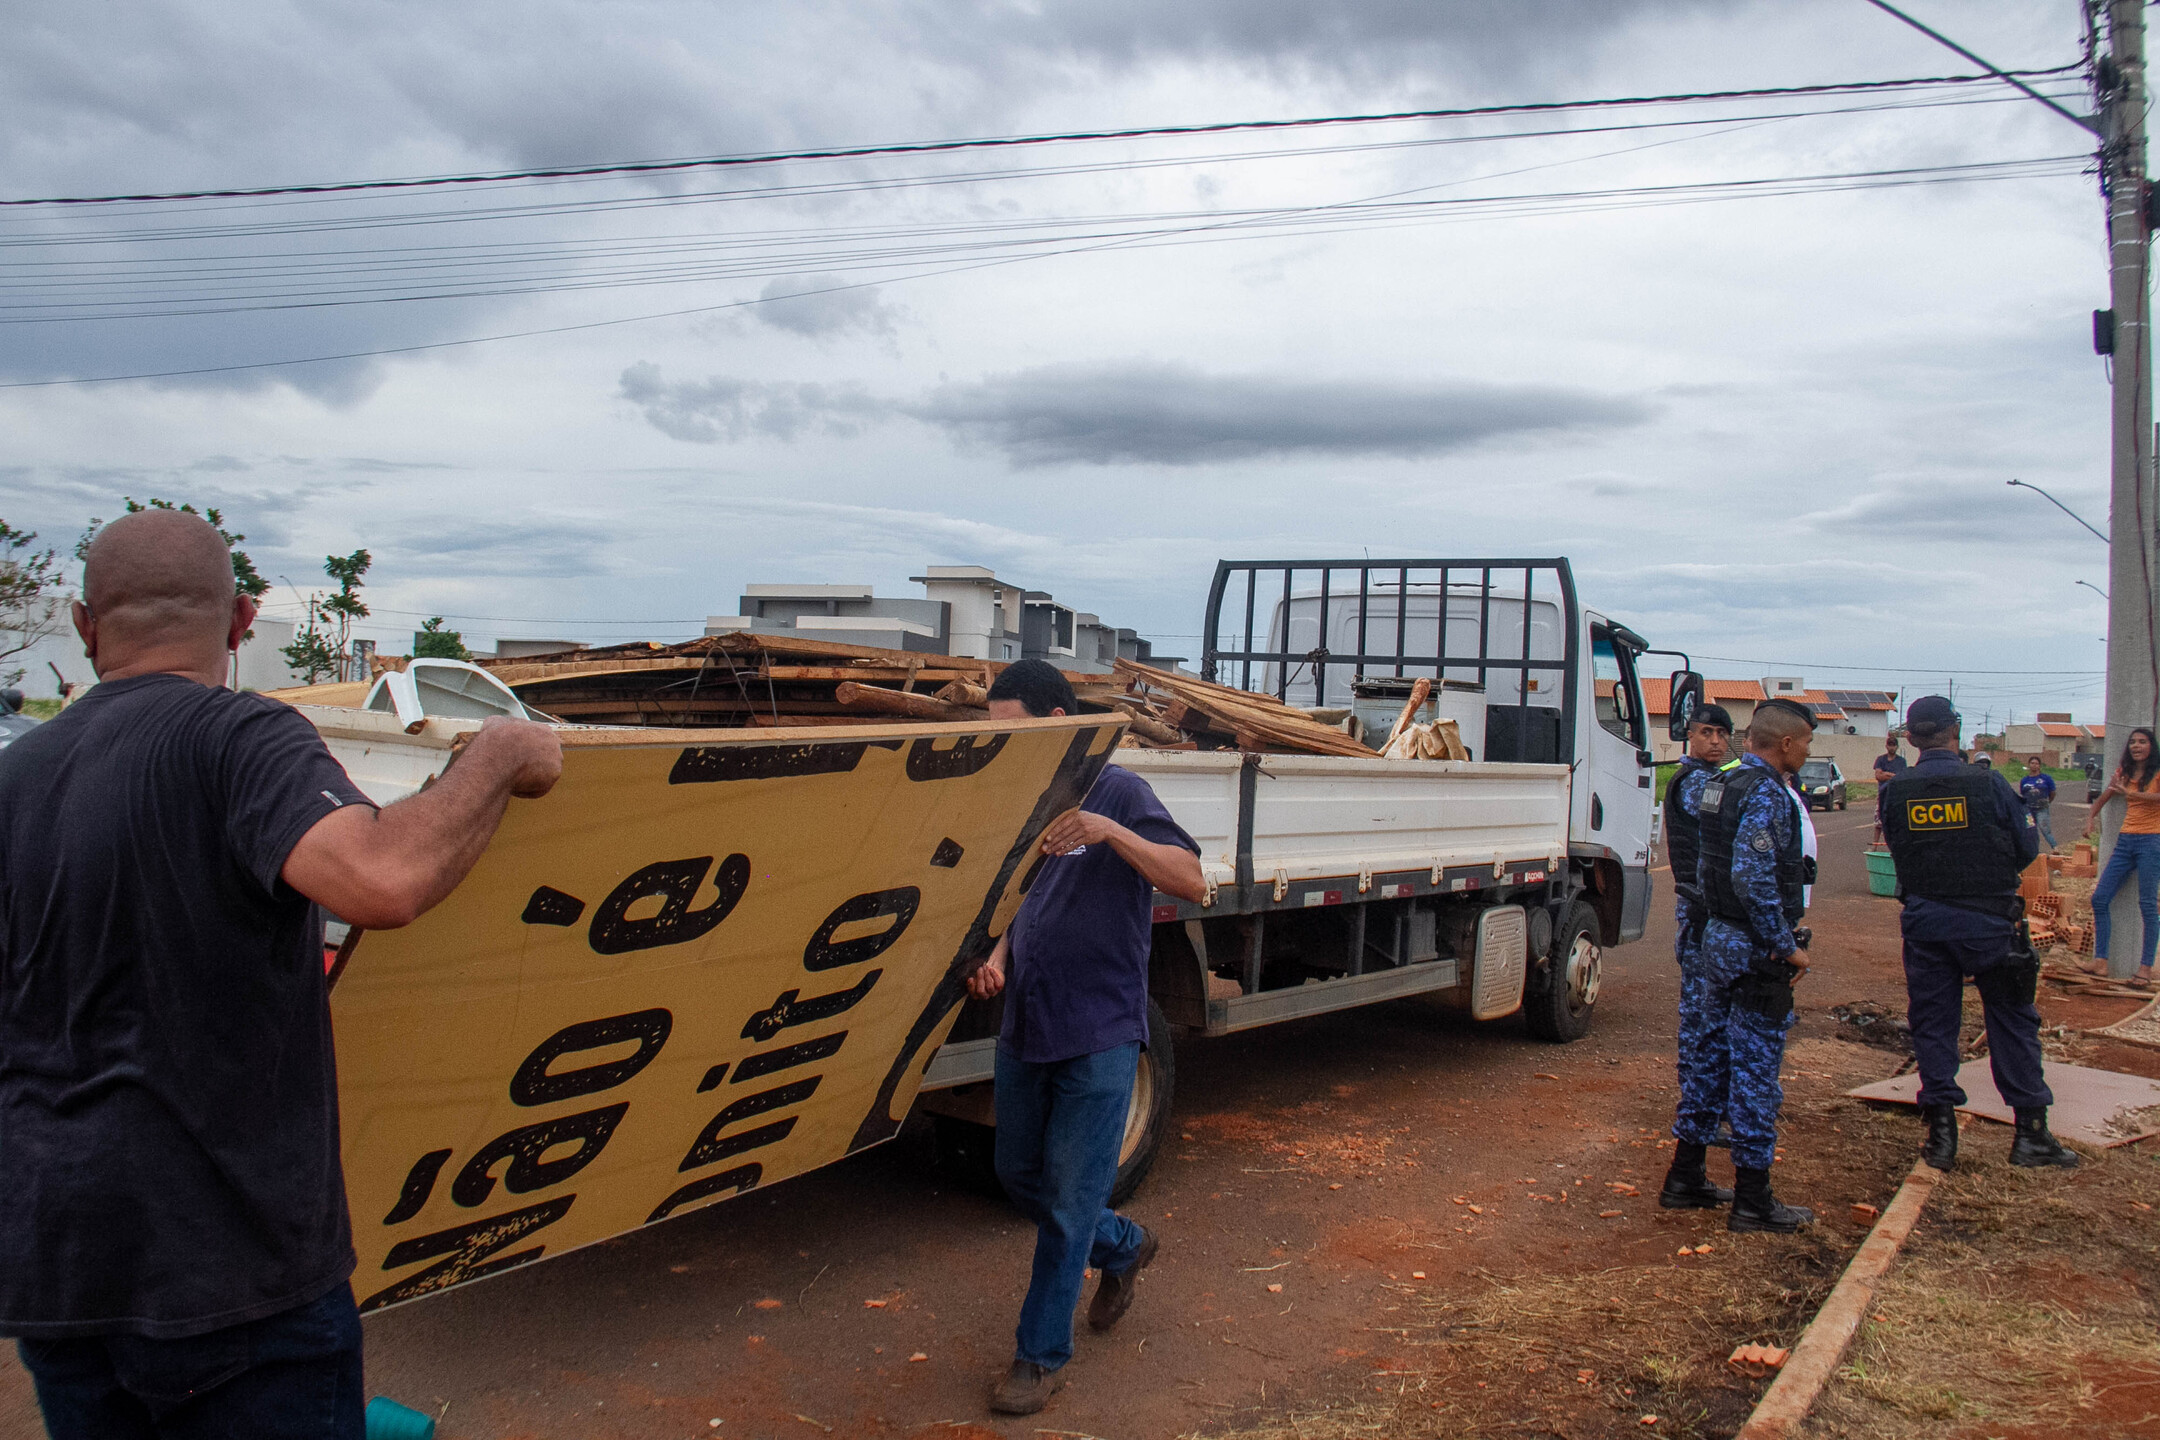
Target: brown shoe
[1026, 1388]
[1113, 1294]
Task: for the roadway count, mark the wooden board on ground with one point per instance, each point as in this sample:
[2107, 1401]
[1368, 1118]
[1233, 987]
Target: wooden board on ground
[2094, 1107]
[703, 963]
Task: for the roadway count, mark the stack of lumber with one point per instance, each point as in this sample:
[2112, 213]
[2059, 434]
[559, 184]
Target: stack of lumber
[1183, 711]
[758, 678]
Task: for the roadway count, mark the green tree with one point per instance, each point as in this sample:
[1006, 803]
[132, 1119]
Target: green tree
[433, 642]
[322, 648]
[31, 601]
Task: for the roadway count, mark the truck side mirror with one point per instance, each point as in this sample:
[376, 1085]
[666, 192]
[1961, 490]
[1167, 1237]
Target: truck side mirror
[1687, 698]
[11, 702]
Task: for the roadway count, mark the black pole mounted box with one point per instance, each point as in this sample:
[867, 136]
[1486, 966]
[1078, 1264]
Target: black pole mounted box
[2103, 332]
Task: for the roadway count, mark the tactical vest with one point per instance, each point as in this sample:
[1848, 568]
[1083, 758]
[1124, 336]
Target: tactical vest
[1947, 841]
[1723, 798]
[1683, 834]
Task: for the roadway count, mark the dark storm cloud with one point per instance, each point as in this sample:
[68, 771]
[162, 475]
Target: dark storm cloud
[1139, 414]
[556, 550]
[706, 412]
[1358, 37]
[824, 306]
[1171, 415]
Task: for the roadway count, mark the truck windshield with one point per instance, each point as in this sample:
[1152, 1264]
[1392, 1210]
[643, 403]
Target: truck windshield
[1817, 770]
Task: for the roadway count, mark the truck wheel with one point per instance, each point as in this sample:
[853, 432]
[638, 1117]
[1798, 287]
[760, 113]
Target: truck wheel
[1559, 1002]
[967, 1150]
[1147, 1118]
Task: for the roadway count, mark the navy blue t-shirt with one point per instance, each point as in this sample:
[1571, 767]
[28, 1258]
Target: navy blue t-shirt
[2038, 791]
[1080, 944]
[168, 1094]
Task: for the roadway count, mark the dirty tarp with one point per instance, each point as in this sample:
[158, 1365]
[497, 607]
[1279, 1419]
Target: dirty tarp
[692, 969]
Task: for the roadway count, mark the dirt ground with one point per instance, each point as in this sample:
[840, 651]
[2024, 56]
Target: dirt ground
[1384, 1222]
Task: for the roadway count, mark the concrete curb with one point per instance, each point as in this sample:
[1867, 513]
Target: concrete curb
[1815, 1355]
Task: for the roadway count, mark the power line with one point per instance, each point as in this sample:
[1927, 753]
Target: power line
[1346, 213]
[932, 147]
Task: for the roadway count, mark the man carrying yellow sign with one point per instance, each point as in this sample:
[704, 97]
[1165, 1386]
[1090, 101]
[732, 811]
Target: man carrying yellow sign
[1961, 837]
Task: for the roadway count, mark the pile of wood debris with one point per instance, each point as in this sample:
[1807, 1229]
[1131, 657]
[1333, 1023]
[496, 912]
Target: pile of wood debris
[767, 680]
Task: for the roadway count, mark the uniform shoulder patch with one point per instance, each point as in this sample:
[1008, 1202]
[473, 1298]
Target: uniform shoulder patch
[1760, 842]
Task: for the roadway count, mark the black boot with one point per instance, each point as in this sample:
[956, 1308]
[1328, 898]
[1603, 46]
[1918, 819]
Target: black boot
[1687, 1187]
[1940, 1148]
[1755, 1208]
[2034, 1144]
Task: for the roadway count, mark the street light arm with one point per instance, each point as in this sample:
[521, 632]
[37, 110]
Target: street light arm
[2027, 485]
[2081, 121]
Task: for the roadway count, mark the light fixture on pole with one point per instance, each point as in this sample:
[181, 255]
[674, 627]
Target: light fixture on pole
[2092, 587]
[2028, 485]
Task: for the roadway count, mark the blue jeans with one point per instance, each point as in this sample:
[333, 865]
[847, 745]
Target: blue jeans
[2044, 820]
[2142, 853]
[290, 1375]
[1059, 1127]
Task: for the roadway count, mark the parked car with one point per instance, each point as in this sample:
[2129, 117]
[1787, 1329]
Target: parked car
[13, 723]
[1822, 785]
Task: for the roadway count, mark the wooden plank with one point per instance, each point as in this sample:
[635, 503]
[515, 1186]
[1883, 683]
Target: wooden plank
[893, 702]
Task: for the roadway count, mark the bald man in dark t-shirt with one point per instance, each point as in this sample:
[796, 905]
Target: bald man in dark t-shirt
[174, 1245]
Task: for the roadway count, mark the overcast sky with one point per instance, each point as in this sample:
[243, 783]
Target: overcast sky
[1774, 429]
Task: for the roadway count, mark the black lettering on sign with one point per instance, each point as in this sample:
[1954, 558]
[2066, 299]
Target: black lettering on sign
[764, 1135]
[676, 883]
[708, 764]
[947, 854]
[741, 1178]
[787, 1010]
[825, 953]
[925, 761]
[1027, 881]
[525, 1146]
[787, 1057]
[1075, 774]
[419, 1184]
[468, 1247]
[713, 1077]
[707, 1147]
[550, 906]
[533, 1085]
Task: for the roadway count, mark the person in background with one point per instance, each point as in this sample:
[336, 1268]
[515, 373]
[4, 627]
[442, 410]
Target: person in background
[1888, 766]
[2037, 789]
[2137, 847]
[1701, 1056]
[1754, 874]
[1073, 970]
[172, 1211]
[1961, 841]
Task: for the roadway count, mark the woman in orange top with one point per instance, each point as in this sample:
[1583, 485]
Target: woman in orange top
[2137, 847]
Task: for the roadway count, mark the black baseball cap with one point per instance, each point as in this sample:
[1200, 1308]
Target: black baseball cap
[1716, 715]
[1931, 712]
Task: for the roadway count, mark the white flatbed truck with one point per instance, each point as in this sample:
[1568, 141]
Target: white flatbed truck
[1495, 883]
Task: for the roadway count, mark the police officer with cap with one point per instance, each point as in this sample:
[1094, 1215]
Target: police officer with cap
[1701, 1039]
[1753, 872]
[1960, 837]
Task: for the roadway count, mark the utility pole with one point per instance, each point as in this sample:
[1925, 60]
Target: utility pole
[2133, 669]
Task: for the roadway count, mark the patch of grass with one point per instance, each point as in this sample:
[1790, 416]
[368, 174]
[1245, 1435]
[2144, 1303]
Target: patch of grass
[41, 709]
[2024, 1299]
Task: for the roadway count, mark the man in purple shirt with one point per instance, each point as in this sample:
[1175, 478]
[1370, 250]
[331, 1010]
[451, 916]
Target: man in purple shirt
[1073, 970]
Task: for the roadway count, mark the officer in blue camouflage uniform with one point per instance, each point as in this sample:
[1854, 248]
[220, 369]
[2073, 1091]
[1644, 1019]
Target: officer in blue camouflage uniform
[1752, 874]
[1961, 838]
[1702, 1035]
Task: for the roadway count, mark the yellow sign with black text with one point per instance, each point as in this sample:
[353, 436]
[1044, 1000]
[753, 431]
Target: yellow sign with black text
[692, 969]
[1947, 813]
